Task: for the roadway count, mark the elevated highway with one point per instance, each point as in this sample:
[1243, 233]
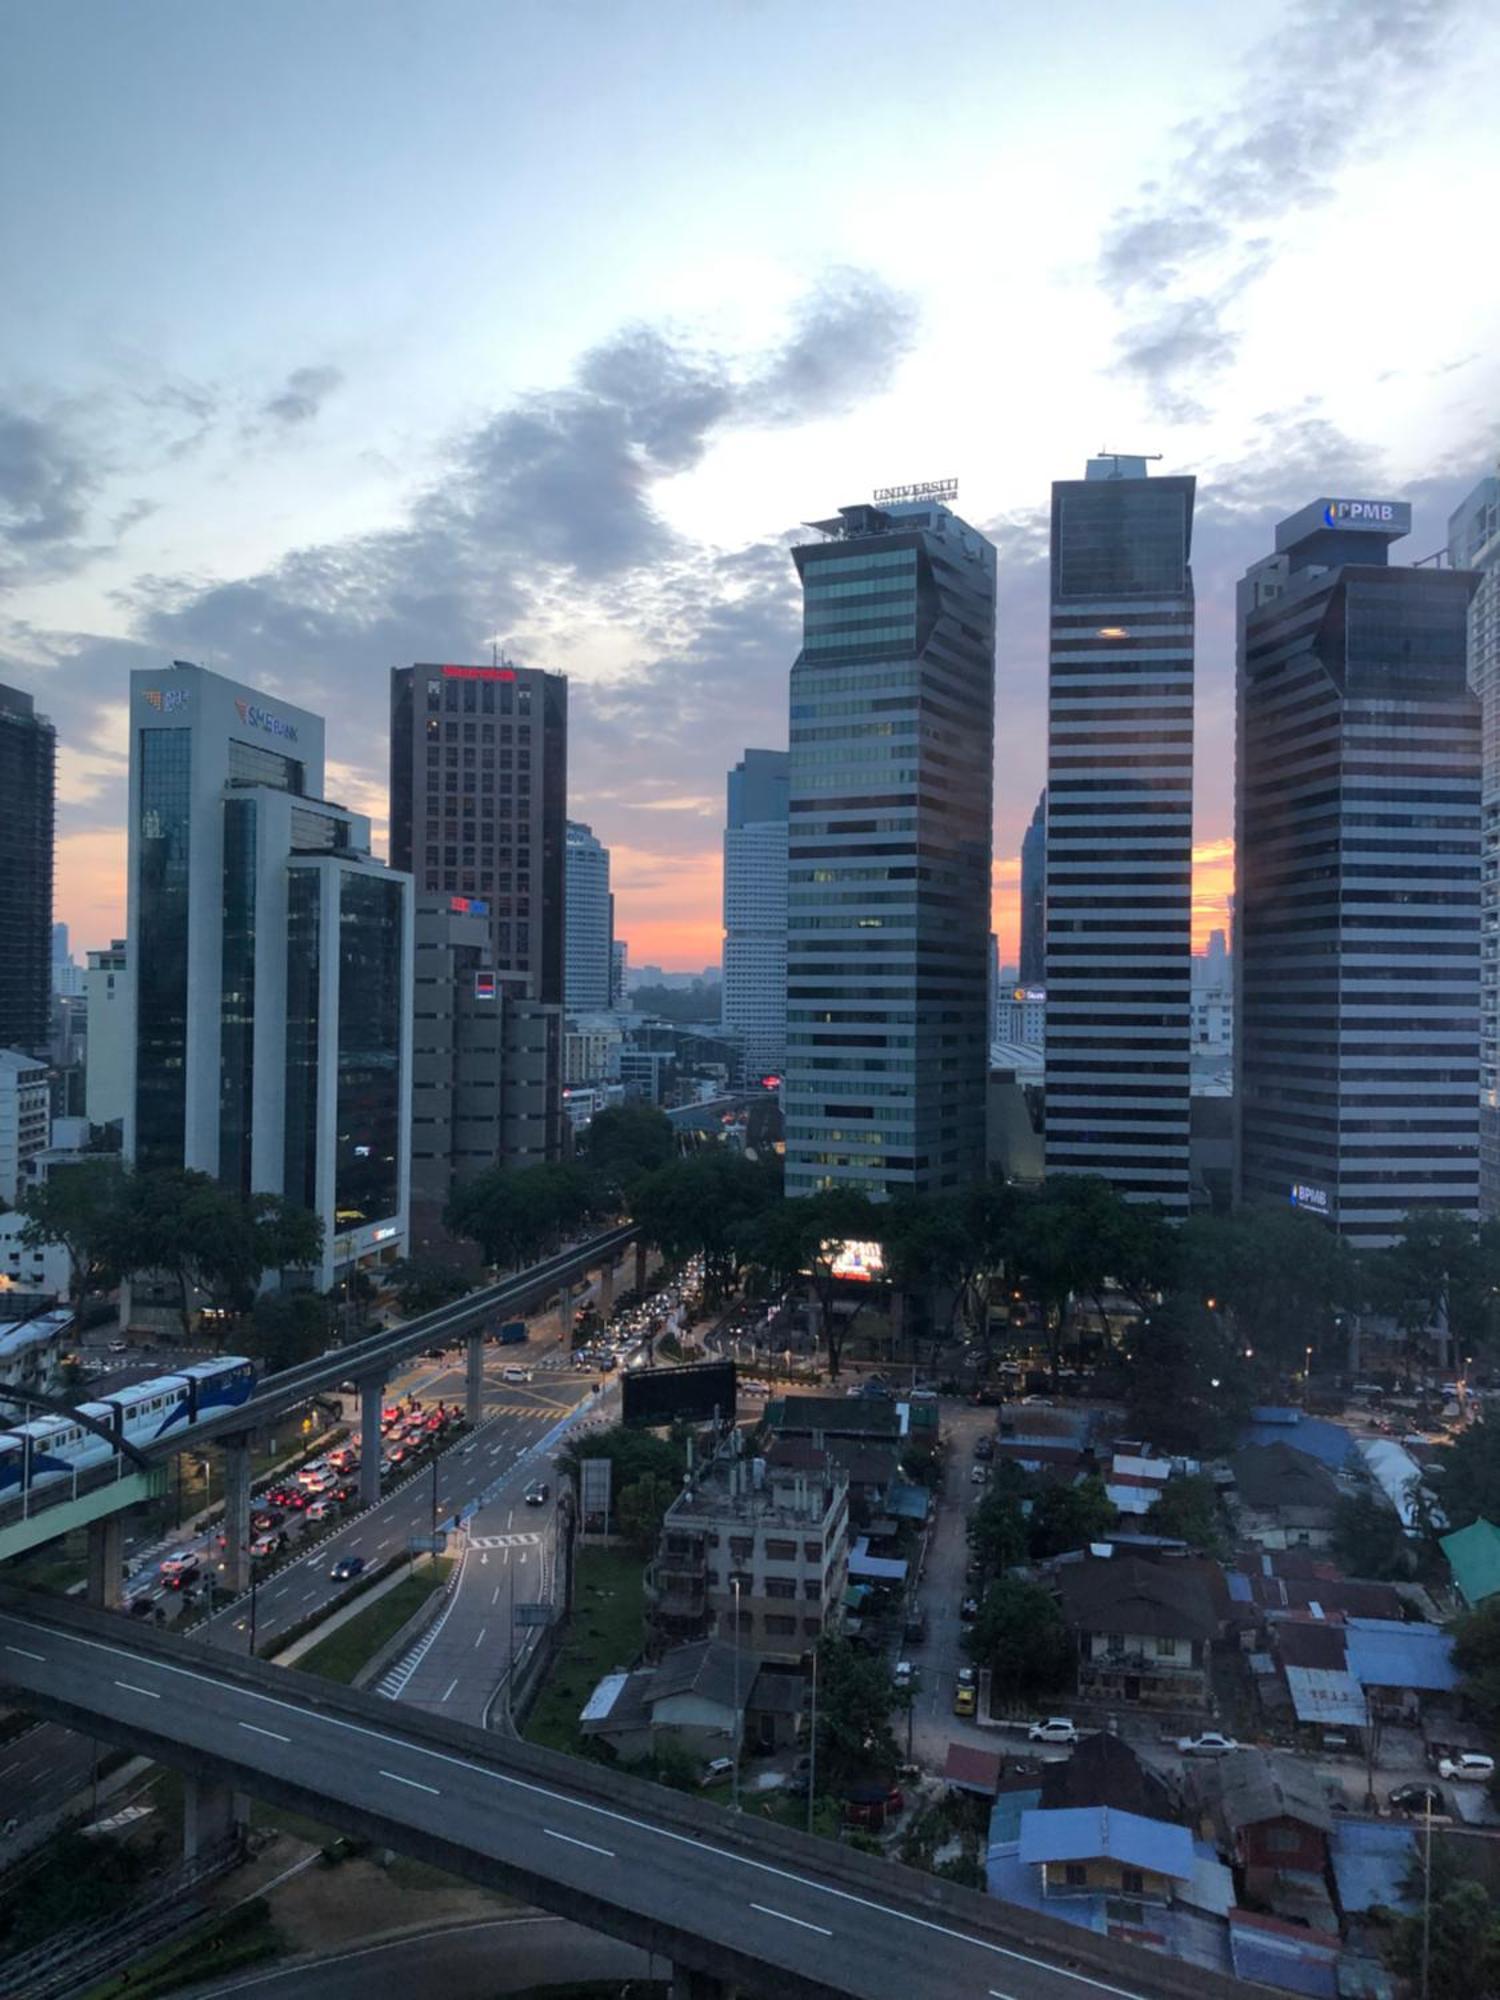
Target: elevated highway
[727, 1898]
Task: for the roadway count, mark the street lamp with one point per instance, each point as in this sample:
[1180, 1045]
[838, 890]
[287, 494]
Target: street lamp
[734, 1769]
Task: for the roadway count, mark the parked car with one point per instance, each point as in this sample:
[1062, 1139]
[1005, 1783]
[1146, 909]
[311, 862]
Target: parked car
[1419, 1800]
[1056, 1729]
[965, 1699]
[1469, 1767]
[716, 1770]
[979, 1474]
[905, 1675]
[968, 1611]
[1209, 1744]
[347, 1567]
[984, 1447]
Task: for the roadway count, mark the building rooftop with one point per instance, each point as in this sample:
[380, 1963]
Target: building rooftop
[1254, 1785]
[1104, 1771]
[1385, 1653]
[1278, 1476]
[1088, 1833]
[706, 1668]
[1474, 1557]
[1136, 1596]
[835, 1416]
[1371, 1861]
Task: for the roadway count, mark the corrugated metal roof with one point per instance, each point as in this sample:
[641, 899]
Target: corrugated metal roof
[1084, 1833]
[1474, 1557]
[1371, 1861]
[604, 1697]
[1382, 1652]
[1326, 1696]
[1283, 1956]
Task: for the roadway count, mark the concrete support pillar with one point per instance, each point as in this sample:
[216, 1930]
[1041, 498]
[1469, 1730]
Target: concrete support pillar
[237, 1513]
[640, 1267]
[688, 1984]
[371, 1391]
[474, 1380]
[211, 1813]
[606, 1288]
[106, 1562]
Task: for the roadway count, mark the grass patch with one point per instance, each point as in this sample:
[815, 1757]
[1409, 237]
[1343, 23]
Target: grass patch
[605, 1634]
[242, 1936]
[340, 1656]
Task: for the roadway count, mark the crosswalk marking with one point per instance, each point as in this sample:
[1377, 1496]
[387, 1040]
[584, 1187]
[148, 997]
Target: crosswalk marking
[503, 1541]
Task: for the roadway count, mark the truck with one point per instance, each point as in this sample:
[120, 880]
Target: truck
[512, 1332]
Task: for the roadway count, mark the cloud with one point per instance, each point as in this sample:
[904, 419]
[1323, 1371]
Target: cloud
[1325, 89]
[301, 396]
[850, 337]
[47, 479]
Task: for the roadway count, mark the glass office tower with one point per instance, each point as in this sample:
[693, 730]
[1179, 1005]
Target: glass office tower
[28, 756]
[754, 997]
[1120, 831]
[1357, 935]
[888, 851]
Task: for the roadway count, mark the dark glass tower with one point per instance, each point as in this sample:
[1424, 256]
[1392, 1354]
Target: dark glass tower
[1120, 831]
[1357, 938]
[1032, 970]
[889, 840]
[28, 756]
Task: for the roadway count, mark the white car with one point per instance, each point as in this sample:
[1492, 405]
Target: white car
[905, 1675]
[1056, 1729]
[515, 1374]
[1209, 1744]
[1469, 1767]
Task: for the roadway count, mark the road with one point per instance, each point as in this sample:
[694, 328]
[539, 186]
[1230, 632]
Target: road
[792, 1907]
[473, 1961]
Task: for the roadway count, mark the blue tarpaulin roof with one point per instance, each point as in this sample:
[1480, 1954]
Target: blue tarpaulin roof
[1383, 1652]
[908, 1503]
[1371, 1860]
[1277, 1955]
[1330, 1444]
[1084, 1833]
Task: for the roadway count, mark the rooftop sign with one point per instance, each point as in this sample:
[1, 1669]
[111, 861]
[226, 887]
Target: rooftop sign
[925, 489]
[1393, 515]
[255, 717]
[479, 673]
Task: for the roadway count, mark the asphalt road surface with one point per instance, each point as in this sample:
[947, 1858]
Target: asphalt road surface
[782, 1913]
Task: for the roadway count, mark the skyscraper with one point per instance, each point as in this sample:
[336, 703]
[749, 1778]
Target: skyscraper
[1474, 543]
[1119, 829]
[754, 1003]
[28, 756]
[590, 924]
[889, 841]
[272, 967]
[479, 800]
[1032, 970]
[1358, 838]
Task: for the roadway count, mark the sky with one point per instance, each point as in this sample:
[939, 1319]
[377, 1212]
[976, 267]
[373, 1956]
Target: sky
[342, 336]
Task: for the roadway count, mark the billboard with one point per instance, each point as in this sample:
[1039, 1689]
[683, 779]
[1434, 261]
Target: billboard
[850, 1259]
[693, 1394]
[595, 1494]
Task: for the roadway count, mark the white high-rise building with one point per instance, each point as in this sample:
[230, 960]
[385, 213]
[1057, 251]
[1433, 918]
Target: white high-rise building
[589, 958]
[1120, 830]
[1474, 543]
[272, 955]
[25, 1120]
[754, 1004]
[107, 1059]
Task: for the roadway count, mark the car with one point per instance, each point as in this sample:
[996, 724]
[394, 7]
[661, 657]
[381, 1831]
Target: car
[1211, 1743]
[968, 1611]
[513, 1374]
[537, 1492]
[1469, 1767]
[1055, 1729]
[183, 1578]
[177, 1562]
[905, 1675]
[979, 1474]
[967, 1677]
[1419, 1800]
[984, 1448]
[320, 1510]
[119, 1347]
[965, 1700]
[266, 1519]
[266, 1545]
[716, 1770]
[346, 1568]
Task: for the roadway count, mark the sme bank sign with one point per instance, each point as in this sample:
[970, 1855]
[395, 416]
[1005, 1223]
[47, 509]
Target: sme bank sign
[255, 717]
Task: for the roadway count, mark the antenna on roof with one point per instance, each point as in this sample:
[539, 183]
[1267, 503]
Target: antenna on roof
[1152, 456]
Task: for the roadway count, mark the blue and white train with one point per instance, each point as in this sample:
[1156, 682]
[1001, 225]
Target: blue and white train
[50, 1448]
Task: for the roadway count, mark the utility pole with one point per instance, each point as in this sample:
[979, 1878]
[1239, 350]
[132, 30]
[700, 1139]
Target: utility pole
[734, 1770]
[1427, 1896]
[812, 1746]
[434, 1505]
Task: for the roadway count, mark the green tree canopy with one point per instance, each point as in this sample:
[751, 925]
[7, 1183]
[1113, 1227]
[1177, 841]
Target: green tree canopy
[285, 1328]
[1020, 1636]
[1188, 1388]
[1188, 1510]
[704, 1205]
[796, 1243]
[634, 1455]
[1070, 1517]
[516, 1215]
[1462, 1949]
[627, 1141]
[854, 1705]
[1282, 1279]
[641, 1507]
[1368, 1539]
[1470, 1475]
[997, 1526]
[422, 1284]
[84, 1209]
[1476, 1654]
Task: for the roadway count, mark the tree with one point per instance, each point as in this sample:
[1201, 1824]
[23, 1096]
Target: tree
[1462, 1939]
[704, 1206]
[285, 1328]
[517, 1215]
[798, 1242]
[635, 1455]
[1020, 1636]
[1187, 1387]
[1070, 1517]
[422, 1284]
[997, 1527]
[1470, 1475]
[84, 1209]
[1073, 1235]
[1369, 1541]
[854, 1704]
[1187, 1509]
[1281, 1279]
[1476, 1654]
[641, 1507]
[1435, 1276]
[627, 1141]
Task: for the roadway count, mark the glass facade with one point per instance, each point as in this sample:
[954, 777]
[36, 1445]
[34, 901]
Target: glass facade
[367, 1152]
[1121, 538]
[237, 996]
[160, 946]
[303, 963]
[249, 764]
[28, 749]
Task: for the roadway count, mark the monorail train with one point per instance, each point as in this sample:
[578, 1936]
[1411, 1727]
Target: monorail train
[53, 1448]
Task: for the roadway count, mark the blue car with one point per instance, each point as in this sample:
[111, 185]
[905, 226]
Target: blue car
[347, 1567]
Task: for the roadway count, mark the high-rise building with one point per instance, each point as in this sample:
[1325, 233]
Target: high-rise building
[28, 758]
[754, 1002]
[271, 1042]
[107, 1062]
[590, 921]
[1358, 838]
[479, 782]
[1119, 829]
[888, 861]
[1032, 970]
[619, 965]
[1474, 543]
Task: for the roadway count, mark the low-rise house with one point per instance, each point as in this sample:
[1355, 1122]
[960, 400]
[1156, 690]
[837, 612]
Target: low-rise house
[1398, 1664]
[1275, 1822]
[705, 1699]
[1144, 1630]
[1285, 1498]
[1093, 1849]
[1103, 1770]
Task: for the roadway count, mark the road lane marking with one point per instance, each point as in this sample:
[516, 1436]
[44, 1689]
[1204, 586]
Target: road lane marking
[22, 1653]
[131, 1688]
[479, 1637]
[608, 1853]
[450, 1687]
[256, 1730]
[415, 1783]
[801, 1922]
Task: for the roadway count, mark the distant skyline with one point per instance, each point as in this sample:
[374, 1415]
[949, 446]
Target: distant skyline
[344, 337]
